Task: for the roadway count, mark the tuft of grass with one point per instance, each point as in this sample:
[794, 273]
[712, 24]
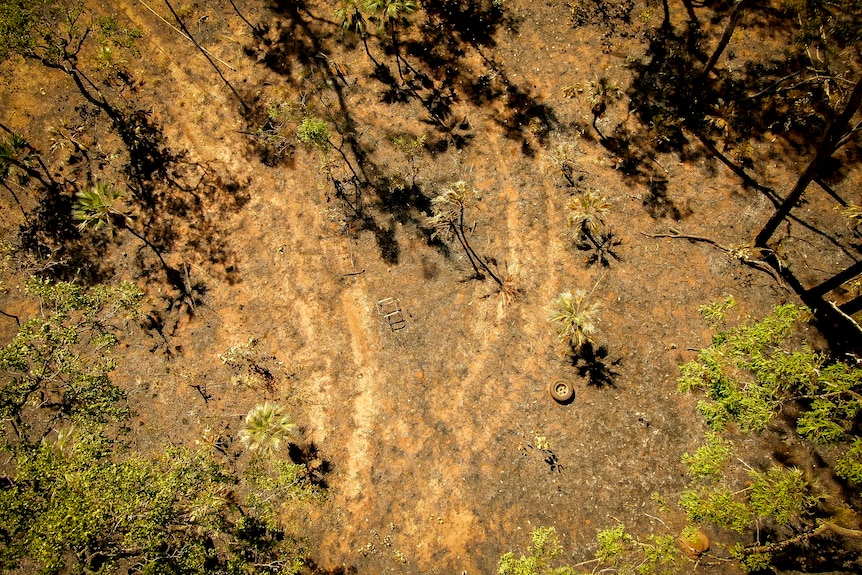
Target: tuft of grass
[574, 317]
[267, 427]
[313, 132]
[587, 212]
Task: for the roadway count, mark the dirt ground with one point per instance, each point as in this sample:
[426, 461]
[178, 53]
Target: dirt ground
[438, 442]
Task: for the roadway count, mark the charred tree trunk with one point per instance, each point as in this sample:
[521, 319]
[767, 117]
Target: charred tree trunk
[836, 280]
[689, 10]
[830, 143]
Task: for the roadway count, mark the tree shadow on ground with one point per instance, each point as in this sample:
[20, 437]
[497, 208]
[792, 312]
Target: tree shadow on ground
[816, 555]
[600, 247]
[169, 198]
[429, 72]
[315, 569]
[50, 236]
[524, 115]
[362, 177]
[728, 109]
[591, 362]
[614, 19]
[779, 102]
[468, 23]
[286, 43]
[309, 456]
[725, 110]
[439, 76]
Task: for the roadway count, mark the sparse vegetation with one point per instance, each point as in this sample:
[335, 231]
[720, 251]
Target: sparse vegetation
[411, 148]
[544, 550]
[447, 220]
[74, 495]
[852, 212]
[748, 376]
[289, 165]
[248, 365]
[587, 211]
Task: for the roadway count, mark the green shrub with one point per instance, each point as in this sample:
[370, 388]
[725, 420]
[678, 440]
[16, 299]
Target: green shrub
[544, 549]
[750, 372]
[709, 459]
[313, 132]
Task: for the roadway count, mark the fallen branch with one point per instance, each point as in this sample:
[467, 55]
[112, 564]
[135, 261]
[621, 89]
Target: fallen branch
[186, 36]
[847, 317]
[825, 526]
[742, 254]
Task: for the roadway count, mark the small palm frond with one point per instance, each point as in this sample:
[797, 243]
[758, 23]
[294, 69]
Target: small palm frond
[446, 208]
[96, 206]
[603, 91]
[572, 90]
[10, 152]
[574, 317]
[721, 115]
[587, 211]
[565, 153]
[350, 17]
[390, 11]
[266, 427]
[851, 211]
[511, 289]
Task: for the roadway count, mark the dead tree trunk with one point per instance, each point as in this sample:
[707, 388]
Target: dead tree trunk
[836, 280]
[831, 142]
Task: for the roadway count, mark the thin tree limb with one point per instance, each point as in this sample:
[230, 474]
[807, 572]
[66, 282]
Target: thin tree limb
[184, 35]
[740, 254]
[823, 527]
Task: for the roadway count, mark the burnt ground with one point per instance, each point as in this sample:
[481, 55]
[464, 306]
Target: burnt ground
[438, 442]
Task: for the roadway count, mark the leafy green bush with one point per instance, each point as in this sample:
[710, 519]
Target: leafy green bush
[544, 549]
[623, 552]
[780, 493]
[709, 459]
[748, 374]
[76, 499]
[716, 505]
[313, 132]
[849, 465]
[64, 358]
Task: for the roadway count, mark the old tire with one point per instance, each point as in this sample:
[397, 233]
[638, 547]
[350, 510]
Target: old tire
[561, 390]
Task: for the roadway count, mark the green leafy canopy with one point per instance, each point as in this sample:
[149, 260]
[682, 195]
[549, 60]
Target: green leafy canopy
[750, 372]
